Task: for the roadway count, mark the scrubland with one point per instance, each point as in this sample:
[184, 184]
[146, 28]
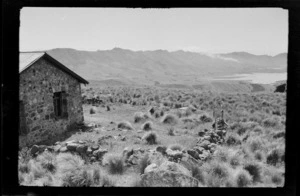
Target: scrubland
[141, 128]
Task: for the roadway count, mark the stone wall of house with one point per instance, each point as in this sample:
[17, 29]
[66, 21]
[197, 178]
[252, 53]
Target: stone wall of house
[37, 87]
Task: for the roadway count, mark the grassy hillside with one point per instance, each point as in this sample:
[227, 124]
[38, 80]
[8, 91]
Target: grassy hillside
[140, 129]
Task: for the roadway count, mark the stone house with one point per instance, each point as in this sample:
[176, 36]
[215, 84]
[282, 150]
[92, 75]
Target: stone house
[49, 97]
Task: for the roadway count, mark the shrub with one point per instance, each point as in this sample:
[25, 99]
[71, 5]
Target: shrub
[275, 156]
[125, 125]
[232, 139]
[143, 163]
[169, 119]
[171, 131]
[205, 118]
[93, 110]
[116, 164]
[243, 178]
[147, 126]
[198, 174]
[150, 137]
[77, 178]
[254, 170]
[176, 147]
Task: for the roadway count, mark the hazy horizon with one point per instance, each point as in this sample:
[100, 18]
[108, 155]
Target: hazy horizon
[259, 31]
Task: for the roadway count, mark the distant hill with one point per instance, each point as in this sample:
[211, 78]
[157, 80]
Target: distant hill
[178, 67]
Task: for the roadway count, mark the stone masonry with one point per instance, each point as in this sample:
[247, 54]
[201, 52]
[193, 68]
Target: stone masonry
[38, 84]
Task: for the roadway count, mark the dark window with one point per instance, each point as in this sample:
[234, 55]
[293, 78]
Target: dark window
[60, 104]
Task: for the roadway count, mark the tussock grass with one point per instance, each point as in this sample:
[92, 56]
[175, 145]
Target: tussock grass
[176, 147]
[140, 117]
[243, 178]
[218, 174]
[125, 125]
[93, 110]
[150, 137]
[115, 164]
[275, 156]
[198, 173]
[255, 170]
[232, 139]
[271, 122]
[171, 131]
[77, 178]
[205, 118]
[147, 126]
[169, 119]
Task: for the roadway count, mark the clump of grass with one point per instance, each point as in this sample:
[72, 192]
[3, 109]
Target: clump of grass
[23, 167]
[36, 169]
[48, 161]
[143, 163]
[125, 125]
[271, 122]
[198, 174]
[243, 178]
[150, 137]
[255, 144]
[258, 129]
[205, 118]
[254, 170]
[235, 161]
[259, 155]
[277, 179]
[67, 162]
[140, 117]
[218, 174]
[106, 181]
[115, 164]
[176, 147]
[171, 131]
[93, 110]
[147, 126]
[275, 156]
[77, 178]
[169, 119]
[232, 139]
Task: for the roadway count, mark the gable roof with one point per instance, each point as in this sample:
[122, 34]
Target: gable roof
[26, 59]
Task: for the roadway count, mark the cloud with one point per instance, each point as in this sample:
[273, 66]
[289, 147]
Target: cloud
[211, 55]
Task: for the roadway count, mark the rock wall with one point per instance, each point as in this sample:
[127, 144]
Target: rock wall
[37, 87]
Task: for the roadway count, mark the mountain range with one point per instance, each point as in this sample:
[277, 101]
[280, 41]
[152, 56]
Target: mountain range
[164, 67]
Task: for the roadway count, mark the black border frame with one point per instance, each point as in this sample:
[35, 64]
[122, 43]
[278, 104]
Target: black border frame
[10, 88]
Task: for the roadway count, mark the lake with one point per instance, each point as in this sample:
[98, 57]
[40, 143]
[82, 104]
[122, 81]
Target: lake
[261, 78]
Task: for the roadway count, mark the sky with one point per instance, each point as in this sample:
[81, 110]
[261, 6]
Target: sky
[207, 30]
